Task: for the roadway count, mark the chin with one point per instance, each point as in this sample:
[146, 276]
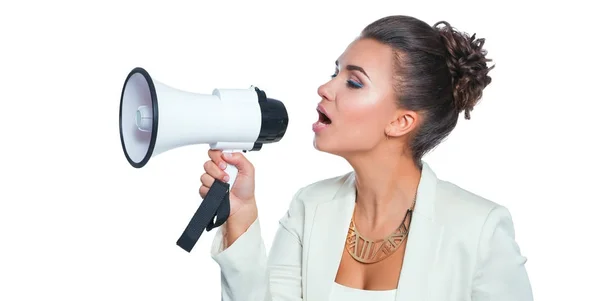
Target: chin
[317, 144]
[346, 148]
[323, 145]
[326, 145]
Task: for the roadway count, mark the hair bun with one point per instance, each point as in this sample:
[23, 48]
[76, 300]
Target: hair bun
[467, 64]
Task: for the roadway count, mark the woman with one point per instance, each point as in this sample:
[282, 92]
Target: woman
[388, 230]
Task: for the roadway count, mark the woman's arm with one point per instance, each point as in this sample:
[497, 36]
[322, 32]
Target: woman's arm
[247, 274]
[500, 273]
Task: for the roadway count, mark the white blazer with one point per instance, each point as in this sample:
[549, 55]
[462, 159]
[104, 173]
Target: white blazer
[460, 247]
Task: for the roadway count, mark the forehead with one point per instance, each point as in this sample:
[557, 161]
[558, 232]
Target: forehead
[376, 58]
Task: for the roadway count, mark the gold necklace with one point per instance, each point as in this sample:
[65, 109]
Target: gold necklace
[368, 251]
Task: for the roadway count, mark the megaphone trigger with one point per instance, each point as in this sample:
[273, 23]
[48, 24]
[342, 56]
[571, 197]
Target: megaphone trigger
[231, 170]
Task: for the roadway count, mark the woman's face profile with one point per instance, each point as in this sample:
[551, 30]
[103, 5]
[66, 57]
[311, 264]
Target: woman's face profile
[359, 100]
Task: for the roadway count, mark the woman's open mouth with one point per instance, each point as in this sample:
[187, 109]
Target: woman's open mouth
[323, 118]
[323, 121]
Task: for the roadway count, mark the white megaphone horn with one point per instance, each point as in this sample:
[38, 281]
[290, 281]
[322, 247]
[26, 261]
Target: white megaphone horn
[154, 118]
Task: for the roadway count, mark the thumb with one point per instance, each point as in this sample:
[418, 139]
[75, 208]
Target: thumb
[239, 161]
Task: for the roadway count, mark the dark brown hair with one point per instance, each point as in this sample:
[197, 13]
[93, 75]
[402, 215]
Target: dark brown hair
[440, 73]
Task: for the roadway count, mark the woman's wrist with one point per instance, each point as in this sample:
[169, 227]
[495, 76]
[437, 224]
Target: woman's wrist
[238, 223]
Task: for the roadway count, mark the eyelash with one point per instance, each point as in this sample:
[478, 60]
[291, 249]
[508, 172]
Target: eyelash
[350, 83]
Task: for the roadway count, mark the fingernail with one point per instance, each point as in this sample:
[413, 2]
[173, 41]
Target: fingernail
[222, 165]
[227, 155]
[226, 178]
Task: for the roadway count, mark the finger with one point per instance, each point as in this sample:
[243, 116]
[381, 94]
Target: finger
[214, 171]
[207, 180]
[203, 191]
[240, 161]
[215, 156]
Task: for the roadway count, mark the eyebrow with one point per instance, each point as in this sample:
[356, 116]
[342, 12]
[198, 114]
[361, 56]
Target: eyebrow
[354, 67]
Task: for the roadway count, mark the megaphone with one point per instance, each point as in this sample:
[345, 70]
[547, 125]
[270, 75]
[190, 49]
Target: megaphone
[155, 118]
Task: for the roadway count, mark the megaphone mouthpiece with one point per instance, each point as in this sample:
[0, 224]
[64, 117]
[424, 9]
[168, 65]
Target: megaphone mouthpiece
[143, 119]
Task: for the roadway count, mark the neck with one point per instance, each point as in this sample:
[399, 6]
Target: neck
[386, 186]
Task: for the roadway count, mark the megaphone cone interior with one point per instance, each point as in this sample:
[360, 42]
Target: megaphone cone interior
[138, 117]
[155, 118]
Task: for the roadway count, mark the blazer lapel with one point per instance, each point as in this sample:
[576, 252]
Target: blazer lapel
[422, 244]
[327, 238]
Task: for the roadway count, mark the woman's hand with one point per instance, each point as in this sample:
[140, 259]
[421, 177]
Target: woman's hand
[243, 209]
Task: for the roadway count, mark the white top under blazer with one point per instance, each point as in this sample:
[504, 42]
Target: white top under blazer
[340, 292]
[461, 247]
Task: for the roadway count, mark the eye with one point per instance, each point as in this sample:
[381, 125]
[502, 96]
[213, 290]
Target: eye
[350, 83]
[354, 84]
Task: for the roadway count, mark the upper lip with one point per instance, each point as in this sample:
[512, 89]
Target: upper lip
[321, 109]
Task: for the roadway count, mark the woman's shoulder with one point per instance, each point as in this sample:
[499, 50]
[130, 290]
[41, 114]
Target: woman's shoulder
[310, 195]
[324, 189]
[465, 211]
[450, 195]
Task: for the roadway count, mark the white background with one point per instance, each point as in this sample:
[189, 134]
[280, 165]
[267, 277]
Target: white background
[78, 223]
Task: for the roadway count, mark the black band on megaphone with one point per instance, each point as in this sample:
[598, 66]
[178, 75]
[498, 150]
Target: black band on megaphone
[215, 204]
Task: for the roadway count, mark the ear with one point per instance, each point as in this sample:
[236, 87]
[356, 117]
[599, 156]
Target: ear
[404, 122]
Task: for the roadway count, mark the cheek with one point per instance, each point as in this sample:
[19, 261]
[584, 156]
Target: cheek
[364, 114]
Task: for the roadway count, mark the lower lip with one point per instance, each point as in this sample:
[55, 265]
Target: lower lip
[319, 126]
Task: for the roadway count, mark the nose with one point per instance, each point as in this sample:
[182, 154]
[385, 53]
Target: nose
[325, 92]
